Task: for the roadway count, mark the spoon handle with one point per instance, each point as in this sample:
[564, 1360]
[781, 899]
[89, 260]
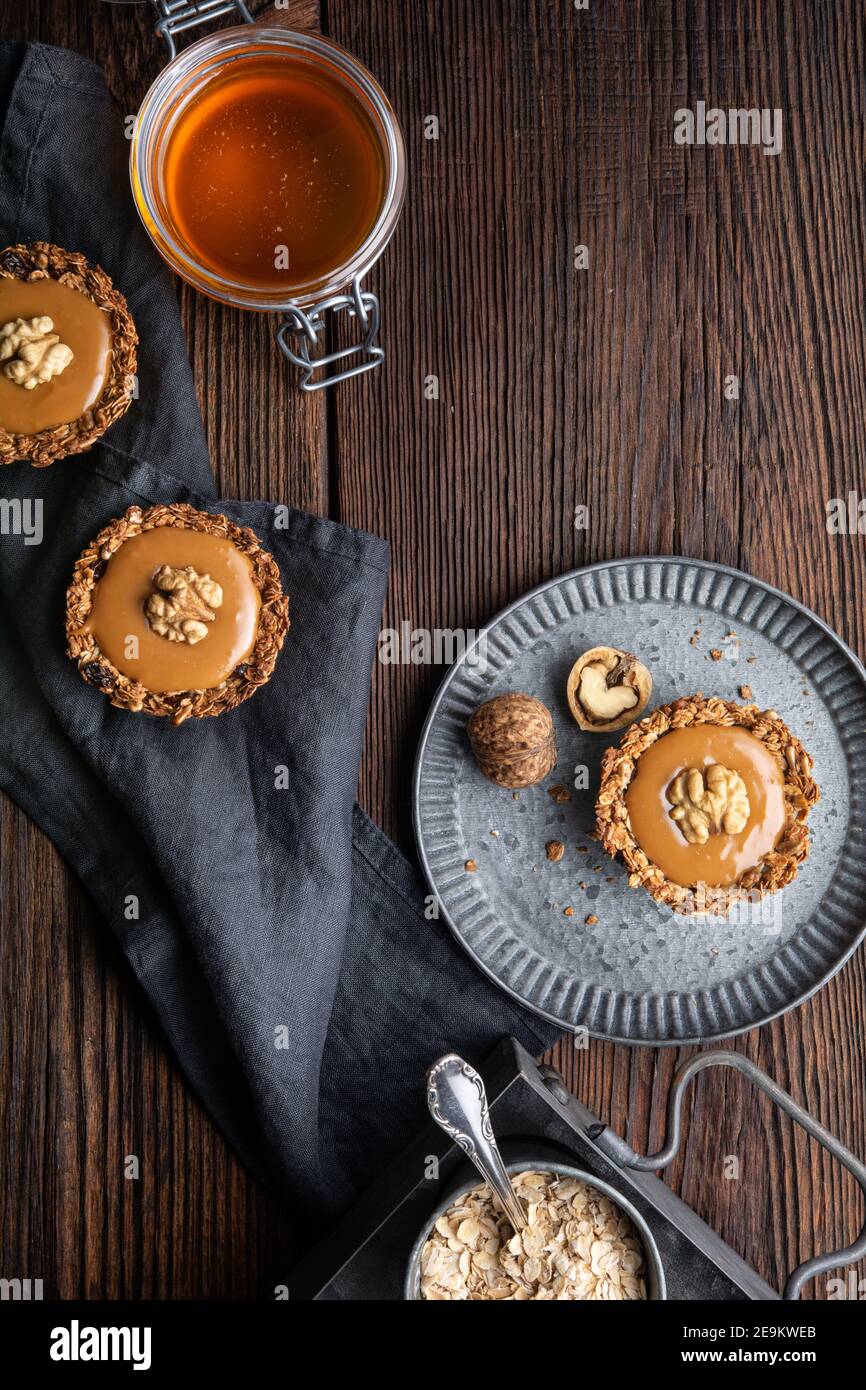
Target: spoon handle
[458, 1103]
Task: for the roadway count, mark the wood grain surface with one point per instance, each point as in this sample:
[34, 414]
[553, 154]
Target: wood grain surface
[558, 387]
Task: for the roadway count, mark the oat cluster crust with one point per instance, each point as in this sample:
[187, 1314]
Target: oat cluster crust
[43, 261]
[578, 1246]
[775, 870]
[178, 706]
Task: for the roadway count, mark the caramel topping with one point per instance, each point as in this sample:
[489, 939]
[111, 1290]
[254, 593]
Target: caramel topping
[77, 324]
[122, 619]
[724, 778]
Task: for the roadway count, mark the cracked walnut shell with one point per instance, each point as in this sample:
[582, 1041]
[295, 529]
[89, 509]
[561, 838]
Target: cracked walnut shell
[607, 689]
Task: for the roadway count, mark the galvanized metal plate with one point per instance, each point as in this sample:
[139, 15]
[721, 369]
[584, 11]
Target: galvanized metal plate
[640, 973]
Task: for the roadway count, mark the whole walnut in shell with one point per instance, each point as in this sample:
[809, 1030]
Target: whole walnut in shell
[513, 739]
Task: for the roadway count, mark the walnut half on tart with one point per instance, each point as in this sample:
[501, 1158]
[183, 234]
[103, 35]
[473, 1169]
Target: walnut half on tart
[67, 354]
[707, 801]
[176, 612]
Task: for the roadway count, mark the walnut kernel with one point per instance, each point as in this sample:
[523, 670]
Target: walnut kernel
[32, 352]
[183, 604]
[707, 803]
[559, 793]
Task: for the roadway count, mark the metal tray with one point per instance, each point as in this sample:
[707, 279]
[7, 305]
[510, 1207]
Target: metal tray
[536, 1120]
[642, 974]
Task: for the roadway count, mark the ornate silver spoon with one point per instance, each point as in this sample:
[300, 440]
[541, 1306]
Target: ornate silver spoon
[458, 1103]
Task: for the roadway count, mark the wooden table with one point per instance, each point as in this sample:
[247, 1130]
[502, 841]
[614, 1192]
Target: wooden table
[558, 387]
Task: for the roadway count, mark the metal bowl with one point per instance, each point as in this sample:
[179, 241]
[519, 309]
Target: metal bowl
[655, 1278]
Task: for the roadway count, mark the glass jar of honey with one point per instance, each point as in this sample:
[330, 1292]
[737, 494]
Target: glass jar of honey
[269, 170]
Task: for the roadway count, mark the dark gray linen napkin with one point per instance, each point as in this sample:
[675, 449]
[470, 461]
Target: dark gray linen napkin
[280, 936]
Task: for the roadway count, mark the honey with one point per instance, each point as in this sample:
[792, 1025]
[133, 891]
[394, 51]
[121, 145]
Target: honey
[123, 633]
[274, 173]
[724, 857]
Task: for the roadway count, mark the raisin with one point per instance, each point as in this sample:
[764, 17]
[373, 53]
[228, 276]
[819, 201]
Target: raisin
[98, 675]
[99, 570]
[12, 262]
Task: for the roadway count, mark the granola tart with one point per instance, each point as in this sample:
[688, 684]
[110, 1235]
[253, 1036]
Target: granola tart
[173, 597]
[67, 353]
[718, 789]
